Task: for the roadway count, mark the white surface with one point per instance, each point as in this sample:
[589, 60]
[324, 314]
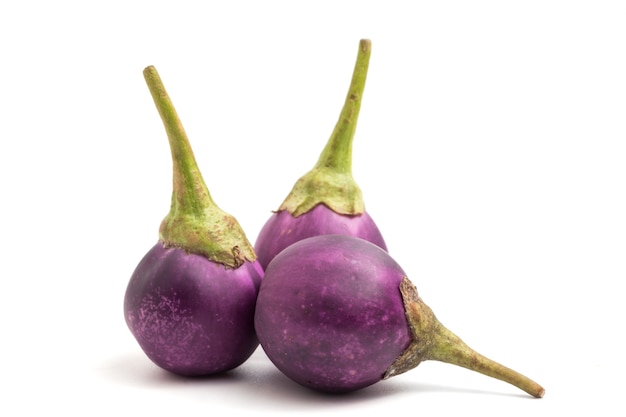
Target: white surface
[490, 150]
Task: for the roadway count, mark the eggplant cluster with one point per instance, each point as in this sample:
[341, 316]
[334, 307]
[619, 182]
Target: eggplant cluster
[319, 290]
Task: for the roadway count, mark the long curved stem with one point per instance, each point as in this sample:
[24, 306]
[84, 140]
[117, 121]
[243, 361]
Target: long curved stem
[190, 195]
[337, 154]
[194, 223]
[433, 341]
[330, 181]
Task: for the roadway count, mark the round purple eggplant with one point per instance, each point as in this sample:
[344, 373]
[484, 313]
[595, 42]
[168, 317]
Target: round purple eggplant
[336, 314]
[327, 199]
[190, 315]
[190, 301]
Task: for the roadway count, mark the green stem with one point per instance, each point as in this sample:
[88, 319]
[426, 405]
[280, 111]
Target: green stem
[330, 182]
[190, 195]
[194, 223]
[433, 341]
[337, 154]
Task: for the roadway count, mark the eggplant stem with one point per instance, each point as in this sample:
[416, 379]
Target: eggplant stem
[337, 154]
[330, 181]
[433, 341]
[194, 223]
[190, 194]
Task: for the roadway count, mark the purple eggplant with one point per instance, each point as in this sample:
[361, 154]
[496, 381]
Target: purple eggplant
[190, 301]
[327, 199]
[336, 314]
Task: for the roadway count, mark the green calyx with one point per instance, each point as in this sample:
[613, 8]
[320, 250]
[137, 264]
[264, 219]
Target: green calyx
[195, 223]
[330, 182]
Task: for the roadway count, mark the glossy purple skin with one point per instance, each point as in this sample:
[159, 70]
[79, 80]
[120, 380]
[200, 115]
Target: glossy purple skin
[330, 315]
[192, 316]
[283, 229]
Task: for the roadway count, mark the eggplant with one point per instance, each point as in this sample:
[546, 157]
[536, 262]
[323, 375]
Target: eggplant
[190, 301]
[327, 199]
[337, 314]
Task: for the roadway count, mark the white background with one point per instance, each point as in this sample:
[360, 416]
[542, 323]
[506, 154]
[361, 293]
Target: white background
[490, 150]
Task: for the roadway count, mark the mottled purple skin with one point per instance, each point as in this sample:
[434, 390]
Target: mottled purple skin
[283, 229]
[330, 315]
[192, 316]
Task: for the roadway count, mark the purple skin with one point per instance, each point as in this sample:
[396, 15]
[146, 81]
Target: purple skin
[192, 316]
[283, 229]
[330, 315]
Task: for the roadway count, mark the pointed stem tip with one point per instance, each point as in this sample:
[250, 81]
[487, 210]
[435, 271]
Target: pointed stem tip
[433, 341]
[366, 45]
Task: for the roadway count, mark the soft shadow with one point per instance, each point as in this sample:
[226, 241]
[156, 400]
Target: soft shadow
[269, 390]
[137, 370]
[421, 388]
[276, 392]
[264, 387]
